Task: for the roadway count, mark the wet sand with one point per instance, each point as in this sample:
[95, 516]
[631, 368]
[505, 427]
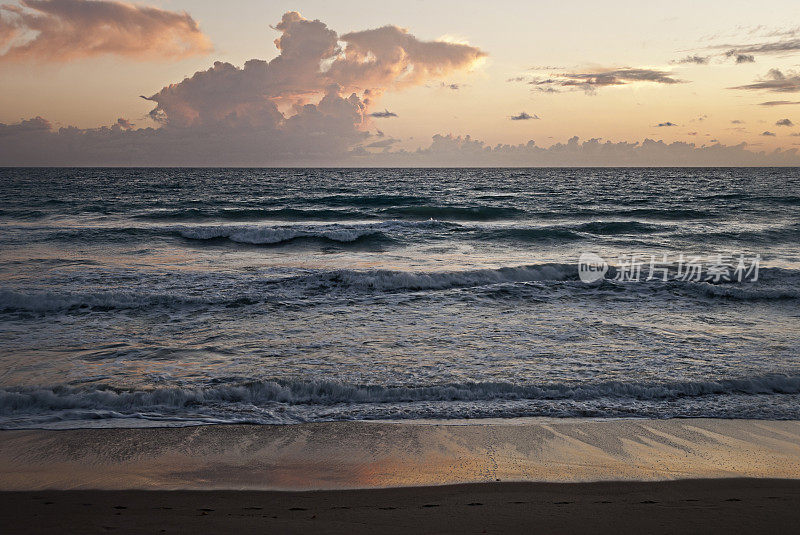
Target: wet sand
[509, 476]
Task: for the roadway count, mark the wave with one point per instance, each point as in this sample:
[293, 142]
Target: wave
[298, 392]
[367, 200]
[619, 227]
[455, 213]
[773, 284]
[552, 281]
[530, 234]
[667, 214]
[43, 302]
[778, 233]
[392, 281]
[274, 235]
[252, 214]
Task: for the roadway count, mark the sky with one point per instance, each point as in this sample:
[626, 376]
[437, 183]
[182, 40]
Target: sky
[423, 76]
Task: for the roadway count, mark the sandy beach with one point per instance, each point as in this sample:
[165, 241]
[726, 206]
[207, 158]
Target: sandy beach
[507, 476]
[708, 506]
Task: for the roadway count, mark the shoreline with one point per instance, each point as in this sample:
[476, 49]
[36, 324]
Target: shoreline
[577, 476]
[363, 455]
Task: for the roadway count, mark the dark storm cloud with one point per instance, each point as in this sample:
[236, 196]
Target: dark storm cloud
[524, 116]
[383, 114]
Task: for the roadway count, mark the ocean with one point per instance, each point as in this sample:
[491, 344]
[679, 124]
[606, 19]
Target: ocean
[169, 297]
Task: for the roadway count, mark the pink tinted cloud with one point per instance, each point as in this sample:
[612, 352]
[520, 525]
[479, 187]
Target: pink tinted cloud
[311, 103]
[310, 63]
[64, 30]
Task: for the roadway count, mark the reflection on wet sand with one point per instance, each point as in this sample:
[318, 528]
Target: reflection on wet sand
[367, 455]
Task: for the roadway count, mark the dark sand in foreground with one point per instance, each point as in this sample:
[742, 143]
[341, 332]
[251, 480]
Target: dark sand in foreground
[696, 506]
[537, 475]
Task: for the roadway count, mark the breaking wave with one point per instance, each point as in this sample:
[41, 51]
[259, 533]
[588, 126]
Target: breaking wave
[274, 235]
[241, 401]
[538, 281]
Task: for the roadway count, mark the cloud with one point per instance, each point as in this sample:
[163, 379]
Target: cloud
[34, 143]
[784, 122]
[768, 133]
[390, 56]
[37, 125]
[465, 151]
[72, 29]
[383, 143]
[371, 62]
[666, 124]
[779, 103]
[454, 87]
[524, 116]
[775, 81]
[744, 58]
[737, 121]
[697, 60]
[125, 124]
[784, 46]
[309, 104]
[383, 114]
[591, 81]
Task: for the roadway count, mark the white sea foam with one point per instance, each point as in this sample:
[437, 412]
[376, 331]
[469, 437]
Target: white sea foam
[33, 399]
[271, 235]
